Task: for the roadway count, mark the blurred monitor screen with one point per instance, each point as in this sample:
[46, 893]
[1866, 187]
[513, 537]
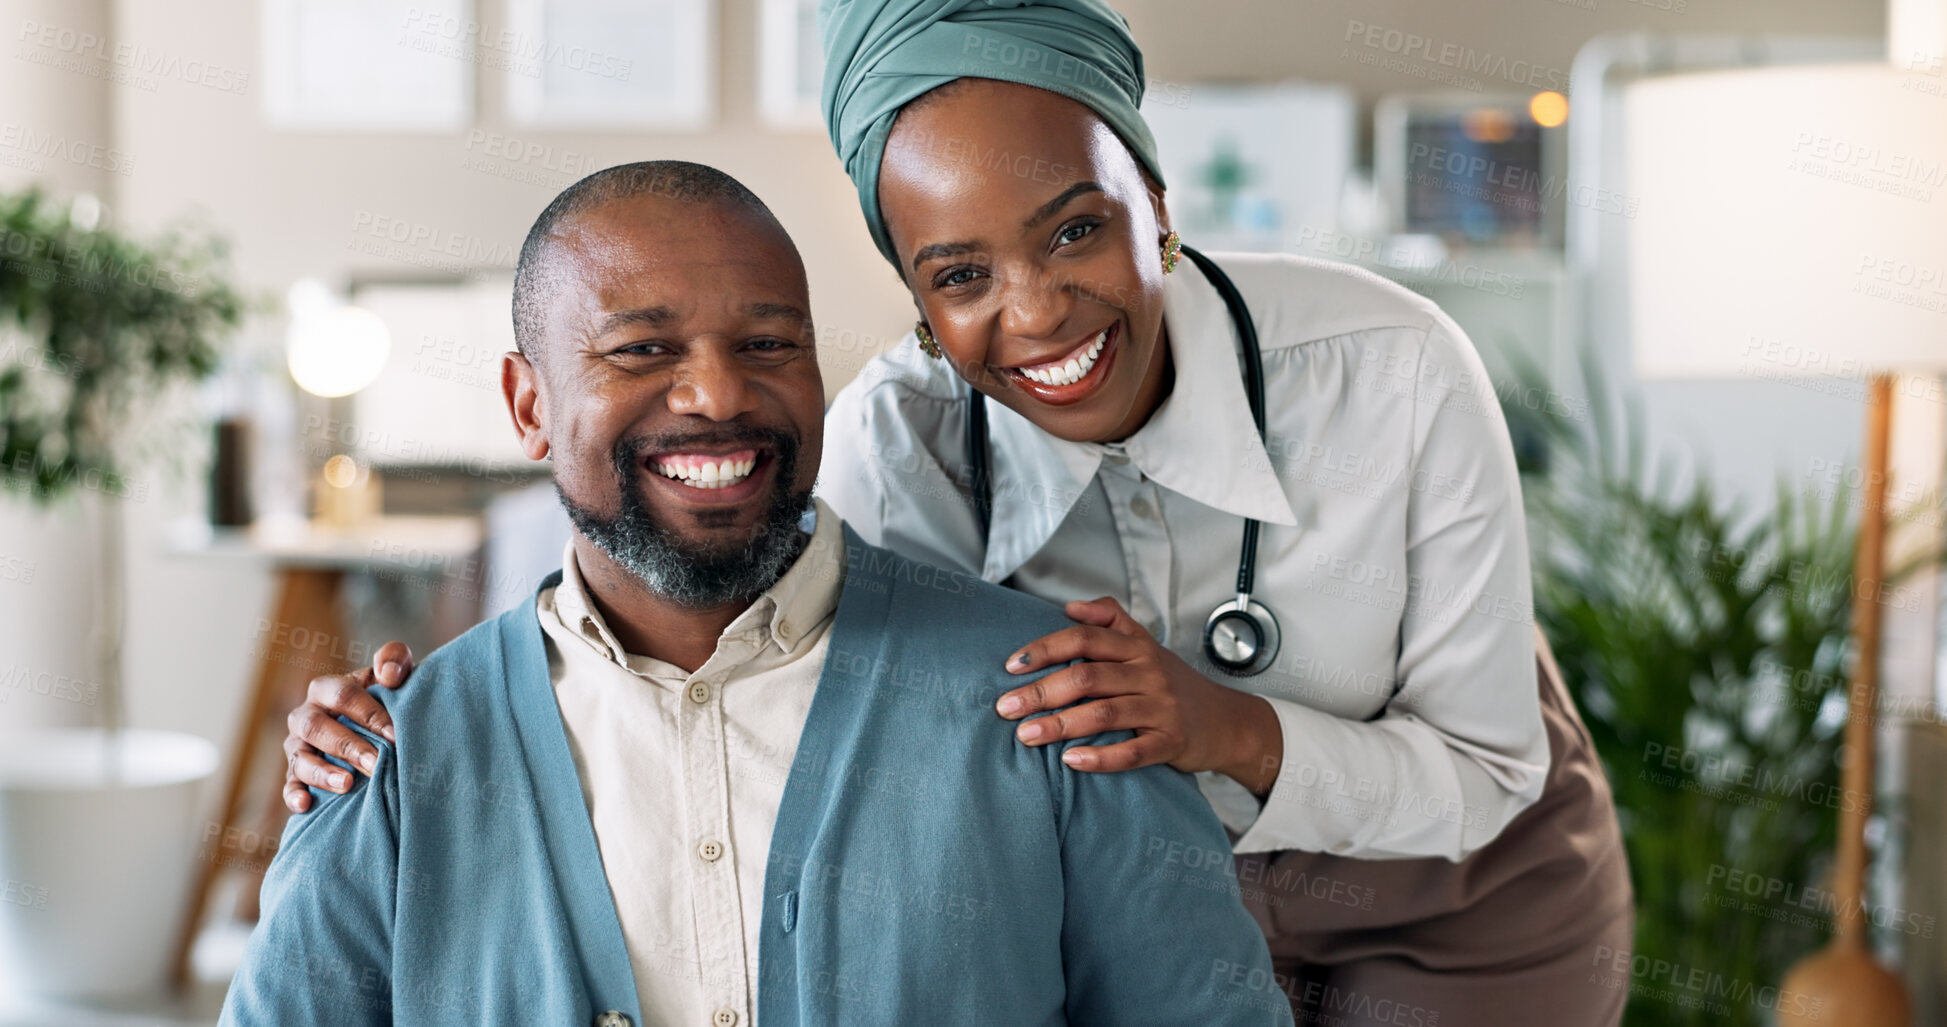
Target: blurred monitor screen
[1475, 171]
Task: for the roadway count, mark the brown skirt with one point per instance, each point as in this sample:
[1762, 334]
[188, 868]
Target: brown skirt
[1528, 929]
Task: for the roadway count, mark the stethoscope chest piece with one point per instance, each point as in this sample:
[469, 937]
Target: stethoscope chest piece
[1241, 637]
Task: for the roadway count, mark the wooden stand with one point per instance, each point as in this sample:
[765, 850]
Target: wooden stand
[310, 564]
[1842, 983]
[306, 602]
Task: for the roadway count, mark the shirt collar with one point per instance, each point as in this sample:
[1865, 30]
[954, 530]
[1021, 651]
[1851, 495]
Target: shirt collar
[787, 612]
[1201, 442]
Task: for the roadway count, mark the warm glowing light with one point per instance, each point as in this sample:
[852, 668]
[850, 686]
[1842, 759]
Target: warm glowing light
[341, 471]
[1487, 125]
[1548, 109]
[337, 352]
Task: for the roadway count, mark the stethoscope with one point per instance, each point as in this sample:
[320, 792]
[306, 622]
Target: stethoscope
[1241, 636]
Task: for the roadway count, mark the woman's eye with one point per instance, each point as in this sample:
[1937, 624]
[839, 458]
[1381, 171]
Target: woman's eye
[957, 276]
[1074, 233]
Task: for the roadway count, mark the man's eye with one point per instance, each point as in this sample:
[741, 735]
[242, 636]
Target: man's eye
[641, 349]
[771, 345]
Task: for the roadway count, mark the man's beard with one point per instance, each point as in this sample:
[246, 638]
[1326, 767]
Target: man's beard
[683, 572]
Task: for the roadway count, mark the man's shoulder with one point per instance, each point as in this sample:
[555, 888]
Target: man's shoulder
[932, 642]
[456, 689]
[955, 606]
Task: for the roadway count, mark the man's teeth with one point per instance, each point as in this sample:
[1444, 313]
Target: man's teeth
[1073, 371]
[710, 474]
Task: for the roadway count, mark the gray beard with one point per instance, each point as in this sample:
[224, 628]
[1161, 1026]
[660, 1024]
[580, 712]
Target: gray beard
[683, 573]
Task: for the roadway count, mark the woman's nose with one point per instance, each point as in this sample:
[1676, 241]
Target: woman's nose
[1037, 306]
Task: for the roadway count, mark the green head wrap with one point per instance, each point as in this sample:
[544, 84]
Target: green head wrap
[881, 54]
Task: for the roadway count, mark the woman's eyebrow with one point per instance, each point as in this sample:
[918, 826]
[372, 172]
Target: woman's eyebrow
[943, 249]
[1042, 213]
[1048, 209]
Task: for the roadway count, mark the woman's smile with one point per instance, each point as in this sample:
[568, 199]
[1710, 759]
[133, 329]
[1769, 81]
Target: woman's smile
[1074, 375]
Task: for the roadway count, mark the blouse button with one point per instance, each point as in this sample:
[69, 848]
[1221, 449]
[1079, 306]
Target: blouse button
[699, 692]
[710, 851]
[724, 1018]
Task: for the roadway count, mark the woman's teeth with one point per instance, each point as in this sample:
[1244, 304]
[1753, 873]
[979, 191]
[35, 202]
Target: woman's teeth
[707, 474]
[1073, 371]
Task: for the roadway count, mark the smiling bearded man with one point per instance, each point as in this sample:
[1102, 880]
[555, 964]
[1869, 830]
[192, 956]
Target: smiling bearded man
[720, 770]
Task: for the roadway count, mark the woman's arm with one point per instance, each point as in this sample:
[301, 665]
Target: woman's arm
[1460, 749]
[315, 729]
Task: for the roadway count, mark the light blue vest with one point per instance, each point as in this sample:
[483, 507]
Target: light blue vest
[925, 867]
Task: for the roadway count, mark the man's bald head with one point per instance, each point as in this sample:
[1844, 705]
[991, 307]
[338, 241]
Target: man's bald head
[675, 181]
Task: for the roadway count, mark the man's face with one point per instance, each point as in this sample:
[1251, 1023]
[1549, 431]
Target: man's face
[677, 391]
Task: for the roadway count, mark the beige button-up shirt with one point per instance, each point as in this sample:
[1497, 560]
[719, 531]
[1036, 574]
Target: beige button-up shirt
[684, 772]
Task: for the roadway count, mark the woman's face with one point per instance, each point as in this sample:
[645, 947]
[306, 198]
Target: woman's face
[1031, 241]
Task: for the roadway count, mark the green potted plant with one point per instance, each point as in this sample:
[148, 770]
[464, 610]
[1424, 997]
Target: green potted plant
[1706, 647]
[96, 329]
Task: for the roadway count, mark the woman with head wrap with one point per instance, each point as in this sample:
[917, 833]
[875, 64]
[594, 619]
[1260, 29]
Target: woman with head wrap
[1420, 823]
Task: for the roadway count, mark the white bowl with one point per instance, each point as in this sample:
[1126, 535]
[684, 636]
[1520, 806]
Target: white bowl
[96, 848]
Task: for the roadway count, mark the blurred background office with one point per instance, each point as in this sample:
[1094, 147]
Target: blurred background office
[255, 260]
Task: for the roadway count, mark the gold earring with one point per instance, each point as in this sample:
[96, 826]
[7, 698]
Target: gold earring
[1172, 252]
[926, 343]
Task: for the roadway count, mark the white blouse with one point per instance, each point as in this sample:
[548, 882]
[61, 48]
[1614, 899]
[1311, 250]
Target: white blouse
[1393, 550]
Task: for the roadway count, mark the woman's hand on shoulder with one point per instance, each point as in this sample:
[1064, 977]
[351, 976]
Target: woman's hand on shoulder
[315, 729]
[1133, 682]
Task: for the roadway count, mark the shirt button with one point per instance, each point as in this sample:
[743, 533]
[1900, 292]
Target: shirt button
[699, 692]
[784, 629]
[611, 1019]
[724, 1018]
[1142, 508]
[709, 851]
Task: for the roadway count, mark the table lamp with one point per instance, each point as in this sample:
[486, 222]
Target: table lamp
[335, 350]
[1792, 221]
